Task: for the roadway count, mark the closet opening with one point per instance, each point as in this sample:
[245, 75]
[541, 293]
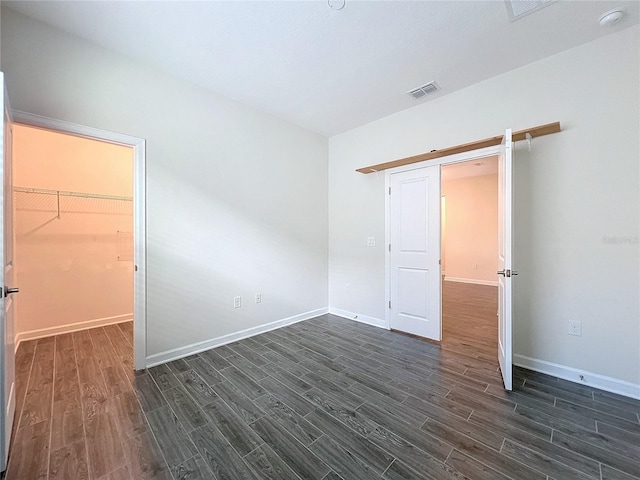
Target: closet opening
[76, 222]
[469, 253]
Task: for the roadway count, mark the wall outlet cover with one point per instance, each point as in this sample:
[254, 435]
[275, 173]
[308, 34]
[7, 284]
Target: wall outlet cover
[575, 328]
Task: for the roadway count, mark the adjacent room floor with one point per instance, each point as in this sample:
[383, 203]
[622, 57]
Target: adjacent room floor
[328, 398]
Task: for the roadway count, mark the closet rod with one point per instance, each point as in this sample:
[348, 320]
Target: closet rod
[71, 194]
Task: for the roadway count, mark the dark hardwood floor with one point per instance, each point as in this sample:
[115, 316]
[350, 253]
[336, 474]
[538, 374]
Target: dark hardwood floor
[327, 398]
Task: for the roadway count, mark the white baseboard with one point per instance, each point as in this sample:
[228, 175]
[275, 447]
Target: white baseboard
[181, 352]
[71, 327]
[602, 382]
[10, 410]
[493, 283]
[376, 322]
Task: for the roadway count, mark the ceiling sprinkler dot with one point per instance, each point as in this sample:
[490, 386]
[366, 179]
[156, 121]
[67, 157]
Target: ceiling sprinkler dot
[336, 4]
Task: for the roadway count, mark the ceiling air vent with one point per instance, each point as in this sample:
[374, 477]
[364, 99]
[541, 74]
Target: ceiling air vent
[425, 89]
[519, 8]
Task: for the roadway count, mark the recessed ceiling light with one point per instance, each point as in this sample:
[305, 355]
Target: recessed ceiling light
[612, 17]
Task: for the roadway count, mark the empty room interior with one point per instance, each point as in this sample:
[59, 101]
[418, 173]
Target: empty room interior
[320, 240]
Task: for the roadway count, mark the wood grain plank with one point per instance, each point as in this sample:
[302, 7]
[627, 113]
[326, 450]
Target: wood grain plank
[186, 409]
[127, 414]
[219, 455]
[301, 460]
[238, 402]
[148, 393]
[215, 359]
[144, 458]
[29, 456]
[193, 469]
[243, 383]
[67, 429]
[541, 463]
[268, 465]
[232, 427]
[104, 447]
[472, 468]
[199, 390]
[69, 462]
[606, 456]
[121, 473]
[173, 440]
[371, 455]
[541, 446]
[342, 460]
[400, 471]
[430, 444]
[295, 424]
[164, 377]
[300, 404]
[208, 373]
[66, 391]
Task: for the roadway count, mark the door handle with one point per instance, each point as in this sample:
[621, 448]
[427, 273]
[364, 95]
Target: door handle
[502, 272]
[507, 273]
[9, 291]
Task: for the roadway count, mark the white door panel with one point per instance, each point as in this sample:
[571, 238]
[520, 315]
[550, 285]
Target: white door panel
[505, 194]
[7, 346]
[414, 224]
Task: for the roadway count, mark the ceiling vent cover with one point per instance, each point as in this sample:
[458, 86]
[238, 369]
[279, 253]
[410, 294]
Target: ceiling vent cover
[517, 9]
[423, 90]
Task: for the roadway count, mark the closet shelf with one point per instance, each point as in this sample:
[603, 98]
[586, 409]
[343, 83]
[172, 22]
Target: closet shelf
[63, 193]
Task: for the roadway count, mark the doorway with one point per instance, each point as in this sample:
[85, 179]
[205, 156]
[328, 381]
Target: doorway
[73, 230]
[414, 302]
[469, 240]
[127, 242]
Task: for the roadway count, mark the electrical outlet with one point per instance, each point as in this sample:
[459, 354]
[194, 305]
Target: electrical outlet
[575, 328]
[347, 288]
[371, 241]
[237, 302]
[258, 298]
[475, 266]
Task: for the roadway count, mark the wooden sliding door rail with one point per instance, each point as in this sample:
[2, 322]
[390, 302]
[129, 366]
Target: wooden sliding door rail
[539, 131]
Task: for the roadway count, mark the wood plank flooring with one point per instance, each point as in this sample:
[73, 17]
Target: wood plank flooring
[324, 399]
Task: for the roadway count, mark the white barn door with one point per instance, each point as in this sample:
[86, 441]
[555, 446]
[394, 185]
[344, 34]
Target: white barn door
[505, 272]
[414, 232]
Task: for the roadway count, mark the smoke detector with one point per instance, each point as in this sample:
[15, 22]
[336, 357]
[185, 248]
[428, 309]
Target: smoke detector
[612, 17]
[517, 9]
[426, 89]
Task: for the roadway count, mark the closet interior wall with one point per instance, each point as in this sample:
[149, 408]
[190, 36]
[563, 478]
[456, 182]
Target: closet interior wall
[73, 228]
[470, 226]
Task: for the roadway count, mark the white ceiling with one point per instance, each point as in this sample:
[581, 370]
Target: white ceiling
[323, 69]
[473, 168]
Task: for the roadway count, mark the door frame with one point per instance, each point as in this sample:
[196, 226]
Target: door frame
[139, 214]
[448, 160]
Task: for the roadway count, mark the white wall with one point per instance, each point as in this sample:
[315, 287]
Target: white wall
[471, 229]
[572, 192]
[236, 199]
